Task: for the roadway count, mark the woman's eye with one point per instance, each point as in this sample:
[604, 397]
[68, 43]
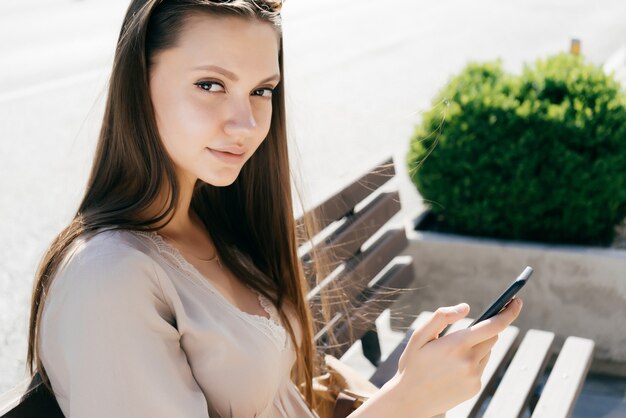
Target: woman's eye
[213, 87]
[269, 92]
[208, 85]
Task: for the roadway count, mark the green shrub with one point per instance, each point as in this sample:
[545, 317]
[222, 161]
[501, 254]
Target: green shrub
[540, 156]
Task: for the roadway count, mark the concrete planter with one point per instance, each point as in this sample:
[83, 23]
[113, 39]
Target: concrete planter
[574, 290]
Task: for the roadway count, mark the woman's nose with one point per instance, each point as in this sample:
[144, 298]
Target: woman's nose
[241, 118]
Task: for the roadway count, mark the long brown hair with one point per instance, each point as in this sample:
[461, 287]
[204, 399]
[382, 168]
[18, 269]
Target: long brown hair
[251, 222]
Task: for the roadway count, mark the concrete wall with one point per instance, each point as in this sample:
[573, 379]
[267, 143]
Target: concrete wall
[574, 290]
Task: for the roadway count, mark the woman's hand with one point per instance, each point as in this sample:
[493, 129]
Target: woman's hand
[436, 374]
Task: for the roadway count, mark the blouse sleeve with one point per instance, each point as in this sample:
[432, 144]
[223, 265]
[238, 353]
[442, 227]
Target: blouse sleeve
[109, 341]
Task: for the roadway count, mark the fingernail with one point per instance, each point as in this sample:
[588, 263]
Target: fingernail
[519, 302]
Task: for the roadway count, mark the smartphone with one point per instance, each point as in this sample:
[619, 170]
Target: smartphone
[505, 297]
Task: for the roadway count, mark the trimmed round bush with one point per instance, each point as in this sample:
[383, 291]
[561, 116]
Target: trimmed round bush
[539, 156]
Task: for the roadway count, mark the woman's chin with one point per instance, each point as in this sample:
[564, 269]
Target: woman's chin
[220, 181]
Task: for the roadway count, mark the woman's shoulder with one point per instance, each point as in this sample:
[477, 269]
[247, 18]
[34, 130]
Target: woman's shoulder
[105, 247]
[106, 258]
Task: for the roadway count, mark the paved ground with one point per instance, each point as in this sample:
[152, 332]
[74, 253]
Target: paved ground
[359, 74]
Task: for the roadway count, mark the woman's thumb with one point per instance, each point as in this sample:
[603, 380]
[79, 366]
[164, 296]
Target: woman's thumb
[440, 319]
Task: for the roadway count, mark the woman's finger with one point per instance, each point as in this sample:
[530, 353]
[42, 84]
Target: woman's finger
[488, 328]
[482, 349]
[440, 319]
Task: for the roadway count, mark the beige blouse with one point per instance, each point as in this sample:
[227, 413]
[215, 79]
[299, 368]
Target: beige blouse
[132, 329]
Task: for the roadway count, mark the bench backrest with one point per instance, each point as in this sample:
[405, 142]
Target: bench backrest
[347, 220]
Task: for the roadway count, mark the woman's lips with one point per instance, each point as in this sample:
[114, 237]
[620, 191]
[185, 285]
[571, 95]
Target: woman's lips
[227, 157]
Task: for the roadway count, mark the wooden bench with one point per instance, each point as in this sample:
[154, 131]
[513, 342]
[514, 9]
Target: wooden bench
[511, 377]
[358, 215]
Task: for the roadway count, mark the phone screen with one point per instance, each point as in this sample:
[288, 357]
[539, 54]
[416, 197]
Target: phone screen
[505, 297]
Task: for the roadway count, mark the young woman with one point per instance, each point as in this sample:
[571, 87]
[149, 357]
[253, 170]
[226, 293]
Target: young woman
[176, 291]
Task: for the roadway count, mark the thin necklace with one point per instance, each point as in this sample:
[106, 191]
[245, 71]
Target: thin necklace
[214, 258]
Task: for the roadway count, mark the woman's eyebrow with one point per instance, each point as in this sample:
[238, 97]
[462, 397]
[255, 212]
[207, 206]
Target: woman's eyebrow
[232, 76]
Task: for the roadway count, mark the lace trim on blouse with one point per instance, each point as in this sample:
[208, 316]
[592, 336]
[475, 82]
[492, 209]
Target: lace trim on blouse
[269, 326]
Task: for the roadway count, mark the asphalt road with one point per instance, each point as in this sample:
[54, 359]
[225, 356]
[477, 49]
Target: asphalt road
[359, 72]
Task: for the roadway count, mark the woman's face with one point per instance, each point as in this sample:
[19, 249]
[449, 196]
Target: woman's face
[212, 95]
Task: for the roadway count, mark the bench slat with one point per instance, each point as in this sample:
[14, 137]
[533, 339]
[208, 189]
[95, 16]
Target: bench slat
[501, 353]
[399, 275]
[341, 203]
[347, 240]
[360, 270]
[321, 334]
[566, 379]
[521, 376]
[363, 268]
